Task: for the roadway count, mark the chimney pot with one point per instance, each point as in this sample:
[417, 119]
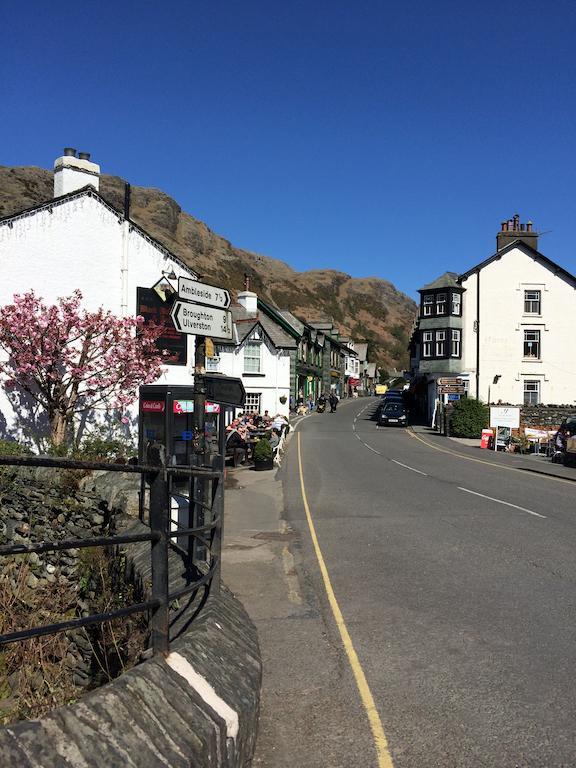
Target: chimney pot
[69, 152]
[529, 226]
[504, 226]
[84, 155]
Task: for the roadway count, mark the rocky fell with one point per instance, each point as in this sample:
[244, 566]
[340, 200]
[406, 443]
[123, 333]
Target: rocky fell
[368, 309]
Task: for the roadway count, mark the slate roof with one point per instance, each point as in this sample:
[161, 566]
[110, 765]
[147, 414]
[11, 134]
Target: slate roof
[447, 280]
[298, 325]
[246, 321]
[361, 349]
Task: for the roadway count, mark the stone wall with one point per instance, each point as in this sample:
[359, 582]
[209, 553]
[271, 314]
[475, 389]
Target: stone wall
[547, 416]
[196, 708]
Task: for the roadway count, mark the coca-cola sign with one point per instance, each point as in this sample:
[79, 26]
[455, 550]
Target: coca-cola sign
[152, 406]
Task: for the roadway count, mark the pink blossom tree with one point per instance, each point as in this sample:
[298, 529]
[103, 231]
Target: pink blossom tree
[70, 361]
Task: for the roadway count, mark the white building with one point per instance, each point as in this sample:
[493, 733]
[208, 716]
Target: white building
[505, 327]
[77, 240]
[260, 356]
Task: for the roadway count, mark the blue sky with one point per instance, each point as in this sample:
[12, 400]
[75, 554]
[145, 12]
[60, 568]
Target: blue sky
[377, 138]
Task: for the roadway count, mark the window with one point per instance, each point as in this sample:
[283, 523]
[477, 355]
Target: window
[427, 344]
[213, 364]
[532, 344]
[252, 402]
[441, 304]
[531, 391]
[252, 357]
[456, 304]
[532, 302]
[428, 304]
[440, 343]
[455, 343]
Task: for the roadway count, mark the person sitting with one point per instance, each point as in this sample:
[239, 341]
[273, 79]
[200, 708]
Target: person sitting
[274, 438]
[266, 418]
[280, 422]
[236, 445]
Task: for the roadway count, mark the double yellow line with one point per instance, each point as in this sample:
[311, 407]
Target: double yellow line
[380, 741]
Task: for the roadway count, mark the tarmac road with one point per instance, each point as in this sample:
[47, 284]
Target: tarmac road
[454, 573]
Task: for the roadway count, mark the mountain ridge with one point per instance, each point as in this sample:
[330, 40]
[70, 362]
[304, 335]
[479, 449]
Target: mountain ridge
[366, 308]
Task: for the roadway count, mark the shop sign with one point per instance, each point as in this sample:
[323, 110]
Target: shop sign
[187, 406]
[152, 406]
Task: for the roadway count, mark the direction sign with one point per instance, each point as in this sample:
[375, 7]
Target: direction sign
[225, 389]
[201, 293]
[201, 321]
[450, 381]
[452, 389]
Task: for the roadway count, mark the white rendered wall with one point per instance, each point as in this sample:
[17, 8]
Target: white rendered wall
[82, 244]
[272, 383]
[502, 325]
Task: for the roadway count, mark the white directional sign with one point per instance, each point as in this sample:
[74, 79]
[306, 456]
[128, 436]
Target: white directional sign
[201, 293]
[201, 321]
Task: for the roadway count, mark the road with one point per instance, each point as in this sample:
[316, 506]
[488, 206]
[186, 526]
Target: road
[456, 584]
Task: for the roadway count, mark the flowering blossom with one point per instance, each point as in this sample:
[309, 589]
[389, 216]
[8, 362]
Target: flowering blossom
[70, 360]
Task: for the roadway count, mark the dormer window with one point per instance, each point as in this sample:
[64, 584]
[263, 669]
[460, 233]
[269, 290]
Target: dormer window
[441, 303]
[428, 304]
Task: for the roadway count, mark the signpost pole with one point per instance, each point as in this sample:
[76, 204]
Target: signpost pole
[198, 445]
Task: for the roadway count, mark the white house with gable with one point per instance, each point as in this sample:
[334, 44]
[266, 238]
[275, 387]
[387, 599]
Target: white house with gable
[77, 240]
[260, 356]
[505, 328]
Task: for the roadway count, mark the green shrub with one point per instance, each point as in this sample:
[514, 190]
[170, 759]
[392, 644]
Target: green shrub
[95, 447]
[13, 448]
[469, 418]
[263, 450]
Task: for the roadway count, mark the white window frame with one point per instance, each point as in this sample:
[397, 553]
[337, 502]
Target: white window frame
[252, 362]
[253, 402]
[456, 304]
[428, 304]
[531, 387]
[531, 343]
[427, 343]
[441, 303]
[455, 342]
[440, 345]
[532, 304]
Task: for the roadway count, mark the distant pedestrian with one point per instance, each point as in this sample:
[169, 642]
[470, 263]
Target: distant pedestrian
[333, 400]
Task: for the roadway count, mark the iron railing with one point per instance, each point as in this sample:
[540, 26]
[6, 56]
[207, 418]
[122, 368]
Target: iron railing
[199, 575]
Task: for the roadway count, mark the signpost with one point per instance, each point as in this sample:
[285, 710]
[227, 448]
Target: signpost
[204, 312]
[202, 321]
[202, 293]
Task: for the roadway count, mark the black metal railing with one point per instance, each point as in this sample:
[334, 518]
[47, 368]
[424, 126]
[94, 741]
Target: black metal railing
[156, 477]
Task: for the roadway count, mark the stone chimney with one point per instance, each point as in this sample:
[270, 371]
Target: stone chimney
[73, 171]
[512, 230]
[248, 299]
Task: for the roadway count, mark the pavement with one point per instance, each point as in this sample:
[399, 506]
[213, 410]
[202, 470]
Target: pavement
[529, 462]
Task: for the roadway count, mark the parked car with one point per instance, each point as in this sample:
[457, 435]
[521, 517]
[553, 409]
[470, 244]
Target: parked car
[568, 432]
[393, 413]
[392, 396]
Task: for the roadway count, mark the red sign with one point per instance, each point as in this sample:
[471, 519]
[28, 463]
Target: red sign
[153, 406]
